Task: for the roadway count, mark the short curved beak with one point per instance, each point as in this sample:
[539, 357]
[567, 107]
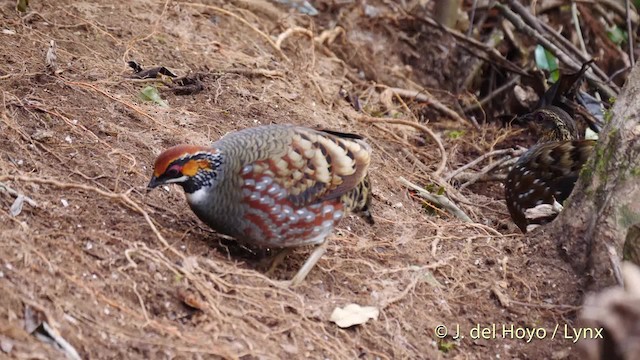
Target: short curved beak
[153, 183]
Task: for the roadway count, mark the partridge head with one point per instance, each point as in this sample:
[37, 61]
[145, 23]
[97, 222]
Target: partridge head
[548, 171]
[275, 186]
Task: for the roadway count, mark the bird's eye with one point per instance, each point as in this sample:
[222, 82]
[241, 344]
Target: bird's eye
[172, 172]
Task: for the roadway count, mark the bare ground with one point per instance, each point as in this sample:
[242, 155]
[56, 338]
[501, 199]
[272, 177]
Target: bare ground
[112, 268]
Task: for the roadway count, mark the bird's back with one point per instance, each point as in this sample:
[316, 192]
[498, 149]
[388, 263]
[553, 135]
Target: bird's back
[545, 173]
[286, 185]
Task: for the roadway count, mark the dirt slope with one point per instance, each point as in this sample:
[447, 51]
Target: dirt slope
[80, 142]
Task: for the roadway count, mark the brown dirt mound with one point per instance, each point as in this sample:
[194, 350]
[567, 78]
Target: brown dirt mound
[111, 268]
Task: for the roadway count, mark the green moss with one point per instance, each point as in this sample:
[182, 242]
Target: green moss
[446, 346]
[607, 116]
[627, 217]
[455, 134]
[604, 156]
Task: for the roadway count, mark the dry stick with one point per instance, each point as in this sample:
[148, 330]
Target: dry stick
[629, 32]
[121, 196]
[437, 199]
[147, 35]
[614, 5]
[554, 49]
[253, 72]
[414, 281]
[576, 24]
[291, 31]
[569, 48]
[266, 37]
[10, 191]
[126, 104]
[436, 138]
[425, 96]
[454, 173]
[495, 38]
[511, 83]
[504, 162]
[494, 54]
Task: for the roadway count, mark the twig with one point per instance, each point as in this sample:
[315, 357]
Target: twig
[126, 104]
[570, 48]
[614, 257]
[437, 199]
[420, 275]
[253, 72]
[576, 23]
[629, 32]
[472, 17]
[547, 306]
[116, 196]
[481, 158]
[555, 50]
[291, 31]
[508, 85]
[502, 298]
[504, 162]
[424, 96]
[10, 191]
[266, 37]
[495, 38]
[436, 138]
[492, 53]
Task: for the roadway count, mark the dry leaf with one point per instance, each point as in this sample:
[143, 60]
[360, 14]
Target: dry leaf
[353, 314]
[16, 207]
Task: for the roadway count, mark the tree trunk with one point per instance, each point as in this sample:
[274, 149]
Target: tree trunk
[604, 208]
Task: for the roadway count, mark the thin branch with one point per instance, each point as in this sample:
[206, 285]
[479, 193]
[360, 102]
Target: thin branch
[123, 197]
[576, 24]
[502, 163]
[266, 37]
[10, 191]
[437, 199]
[629, 32]
[416, 125]
[423, 96]
[481, 158]
[517, 21]
[507, 86]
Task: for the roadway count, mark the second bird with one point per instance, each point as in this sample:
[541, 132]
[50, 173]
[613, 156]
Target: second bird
[548, 171]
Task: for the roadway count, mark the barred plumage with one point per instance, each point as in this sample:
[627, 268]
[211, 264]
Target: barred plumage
[548, 171]
[273, 186]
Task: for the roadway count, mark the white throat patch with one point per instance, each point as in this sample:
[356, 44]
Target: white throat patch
[197, 197]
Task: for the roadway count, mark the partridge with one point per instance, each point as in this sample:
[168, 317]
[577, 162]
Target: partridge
[274, 186]
[548, 171]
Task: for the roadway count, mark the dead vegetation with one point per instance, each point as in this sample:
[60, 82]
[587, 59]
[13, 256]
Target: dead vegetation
[120, 273]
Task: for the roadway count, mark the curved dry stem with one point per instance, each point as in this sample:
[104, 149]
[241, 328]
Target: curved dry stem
[418, 126]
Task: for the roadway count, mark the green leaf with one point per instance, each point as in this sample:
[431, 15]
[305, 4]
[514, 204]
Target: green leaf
[455, 134]
[150, 93]
[446, 346]
[22, 5]
[546, 61]
[617, 35]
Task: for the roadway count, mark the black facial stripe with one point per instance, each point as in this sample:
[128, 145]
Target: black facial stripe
[204, 177]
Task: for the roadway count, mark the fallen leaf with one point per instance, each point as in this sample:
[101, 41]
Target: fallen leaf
[150, 93]
[353, 314]
[16, 207]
